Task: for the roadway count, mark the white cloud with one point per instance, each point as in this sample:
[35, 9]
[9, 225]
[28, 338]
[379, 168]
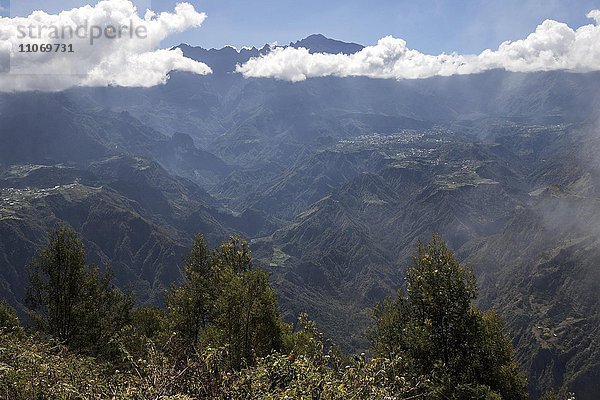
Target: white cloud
[553, 46]
[130, 59]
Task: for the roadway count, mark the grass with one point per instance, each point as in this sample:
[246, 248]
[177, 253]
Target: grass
[279, 258]
[465, 176]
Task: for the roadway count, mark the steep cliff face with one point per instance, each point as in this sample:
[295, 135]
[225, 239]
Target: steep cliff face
[542, 273]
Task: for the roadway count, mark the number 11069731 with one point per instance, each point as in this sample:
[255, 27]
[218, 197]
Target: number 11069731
[46, 48]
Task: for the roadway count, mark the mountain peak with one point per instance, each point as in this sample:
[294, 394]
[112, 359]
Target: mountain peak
[319, 43]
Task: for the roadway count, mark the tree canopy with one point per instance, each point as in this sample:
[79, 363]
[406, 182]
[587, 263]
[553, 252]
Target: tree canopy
[437, 330]
[221, 336]
[72, 301]
[225, 301]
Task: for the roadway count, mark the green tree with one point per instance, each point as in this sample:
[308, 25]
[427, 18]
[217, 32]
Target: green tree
[224, 301]
[56, 281]
[72, 301]
[148, 321]
[191, 305]
[434, 326]
[247, 322]
[103, 311]
[9, 321]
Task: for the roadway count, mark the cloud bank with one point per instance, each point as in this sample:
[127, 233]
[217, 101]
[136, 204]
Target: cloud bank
[111, 43]
[553, 46]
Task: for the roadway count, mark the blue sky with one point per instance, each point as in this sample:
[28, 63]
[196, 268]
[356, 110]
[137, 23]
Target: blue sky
[431, 26]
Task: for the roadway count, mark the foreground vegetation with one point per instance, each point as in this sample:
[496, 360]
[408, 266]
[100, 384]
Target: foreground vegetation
[221, 336]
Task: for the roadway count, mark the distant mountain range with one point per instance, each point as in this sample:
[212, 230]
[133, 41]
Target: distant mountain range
[333, 180]
[224, 60]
